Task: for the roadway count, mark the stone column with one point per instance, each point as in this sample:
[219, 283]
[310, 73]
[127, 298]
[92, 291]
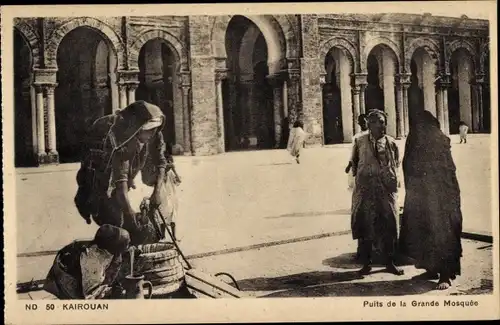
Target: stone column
[219, 77]
[439, 108]
[479, 82]
[285, 97]
[388, 68]
[403, 84]
[114, 92]
[186, 118]
[362, 102]
[294, 95]
[359, 81]
[123, 95]
[446, 112]
[33, 121]
[132, 87]
[51, 119]
[406, 115]
[400, 127]
[356, 89]
[444, 84]
[40, 121]
[277, 84]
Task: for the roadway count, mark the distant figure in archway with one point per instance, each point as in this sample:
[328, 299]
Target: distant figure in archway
[432, 219]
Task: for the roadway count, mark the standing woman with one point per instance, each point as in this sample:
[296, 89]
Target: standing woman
[432, 217]
[297, 140]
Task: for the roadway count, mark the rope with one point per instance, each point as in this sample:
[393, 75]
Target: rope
[229, 276]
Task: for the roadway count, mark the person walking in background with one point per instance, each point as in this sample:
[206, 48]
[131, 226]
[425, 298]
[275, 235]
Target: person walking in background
[463, 129]
[297, 140]
[432, 219]
[375, 160]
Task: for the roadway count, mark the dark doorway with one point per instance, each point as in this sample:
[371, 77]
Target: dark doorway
[23, 117]
[374, 95]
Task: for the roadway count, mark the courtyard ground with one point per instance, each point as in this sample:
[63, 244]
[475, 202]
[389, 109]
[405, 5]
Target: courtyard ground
[280, 228]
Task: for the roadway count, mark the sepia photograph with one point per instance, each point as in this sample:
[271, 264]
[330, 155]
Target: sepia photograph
[273, 155]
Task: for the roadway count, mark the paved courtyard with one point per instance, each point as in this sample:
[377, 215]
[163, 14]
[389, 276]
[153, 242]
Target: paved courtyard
[272, 217]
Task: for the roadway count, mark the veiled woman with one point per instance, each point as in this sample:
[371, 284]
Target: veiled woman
[432, 218]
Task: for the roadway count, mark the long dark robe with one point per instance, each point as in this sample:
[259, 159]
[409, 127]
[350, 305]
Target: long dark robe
[432, 219]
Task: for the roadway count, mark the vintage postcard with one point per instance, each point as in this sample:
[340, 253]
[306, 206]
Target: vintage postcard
[250, 162]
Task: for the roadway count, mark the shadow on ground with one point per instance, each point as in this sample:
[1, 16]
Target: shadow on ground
[348, 261]
[339, 212]
[328, 284]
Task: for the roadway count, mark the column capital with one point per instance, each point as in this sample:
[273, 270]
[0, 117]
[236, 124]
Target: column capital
[45, 76]
[49, 88]
[322, 79]
[480, 79]
[294, 74]
[276, 80]
[356, 89]
[221, 74]
[359, 79]
[128, 76]
[132, 86]
[185, 79]
[403, 78]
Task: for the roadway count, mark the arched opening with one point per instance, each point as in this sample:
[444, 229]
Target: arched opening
[248, 98]
[24, 106]
[460, 103]
[380, 91]
[159, 85]
[422, 91]
[337, 104]
[86, 68]
[374, 94]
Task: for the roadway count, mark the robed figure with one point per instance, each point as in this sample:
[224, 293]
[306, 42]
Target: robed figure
[432, 219]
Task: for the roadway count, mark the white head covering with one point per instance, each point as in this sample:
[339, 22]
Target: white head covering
[151, 124]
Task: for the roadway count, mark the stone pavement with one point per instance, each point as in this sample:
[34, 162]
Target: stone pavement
[325, 267]
[236, 200]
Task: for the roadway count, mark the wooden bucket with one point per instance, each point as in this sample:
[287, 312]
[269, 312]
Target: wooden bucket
[160, 264]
